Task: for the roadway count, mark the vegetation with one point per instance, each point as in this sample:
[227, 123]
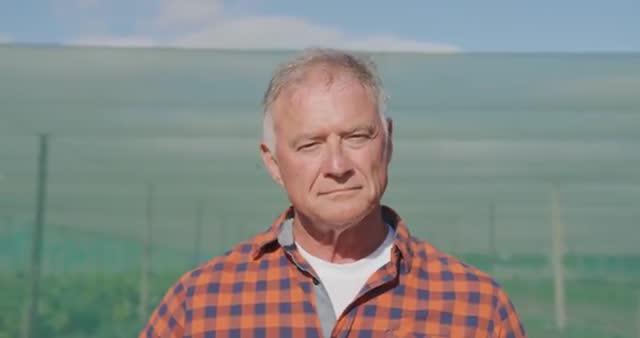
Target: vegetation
[89, 305]
[80, 305]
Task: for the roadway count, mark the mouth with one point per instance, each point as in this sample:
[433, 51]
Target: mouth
[339, 191]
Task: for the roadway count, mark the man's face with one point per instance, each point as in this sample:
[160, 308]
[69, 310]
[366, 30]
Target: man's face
[331, 153]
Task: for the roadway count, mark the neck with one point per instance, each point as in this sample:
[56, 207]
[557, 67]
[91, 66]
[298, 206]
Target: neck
[340, 244]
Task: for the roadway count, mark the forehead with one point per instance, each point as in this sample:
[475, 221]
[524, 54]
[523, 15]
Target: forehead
[322, 88]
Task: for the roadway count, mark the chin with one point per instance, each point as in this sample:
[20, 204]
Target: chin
[343, 213]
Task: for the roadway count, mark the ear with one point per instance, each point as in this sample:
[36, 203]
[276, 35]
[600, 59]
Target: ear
[270, 162]
[389, 144]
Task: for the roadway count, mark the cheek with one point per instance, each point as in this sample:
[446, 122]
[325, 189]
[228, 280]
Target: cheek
[298, 174]
[372, 156]
[376, 167]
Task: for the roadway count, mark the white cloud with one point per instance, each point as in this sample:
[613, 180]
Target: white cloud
[294, 33]
[204, 24]
[5, 38]
[113, 41]
[260, 32]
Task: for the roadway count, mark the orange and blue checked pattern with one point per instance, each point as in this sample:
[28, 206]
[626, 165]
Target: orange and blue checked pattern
[264, 288]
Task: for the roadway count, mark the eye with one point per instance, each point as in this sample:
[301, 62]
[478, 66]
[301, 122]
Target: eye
[308, 146]
[358, 138]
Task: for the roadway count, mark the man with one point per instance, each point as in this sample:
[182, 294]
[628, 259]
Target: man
[336, 263]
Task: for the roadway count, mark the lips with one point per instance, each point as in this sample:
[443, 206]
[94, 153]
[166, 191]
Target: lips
[339, 190]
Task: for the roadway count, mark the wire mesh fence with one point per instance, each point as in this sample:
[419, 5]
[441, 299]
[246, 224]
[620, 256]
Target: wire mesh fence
[528, 170]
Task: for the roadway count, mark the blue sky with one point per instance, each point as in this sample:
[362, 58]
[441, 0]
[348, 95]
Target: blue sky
[513, 26]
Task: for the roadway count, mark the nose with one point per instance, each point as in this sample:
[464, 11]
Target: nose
[337, 162]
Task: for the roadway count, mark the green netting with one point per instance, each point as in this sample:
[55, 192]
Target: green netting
[482, 141]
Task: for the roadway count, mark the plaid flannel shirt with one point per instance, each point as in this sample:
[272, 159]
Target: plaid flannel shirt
[264, 288]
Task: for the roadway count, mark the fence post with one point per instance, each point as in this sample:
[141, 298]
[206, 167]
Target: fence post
[558, 249]
[197, 249]
[146, 254]
[493, 250]
[36, 245]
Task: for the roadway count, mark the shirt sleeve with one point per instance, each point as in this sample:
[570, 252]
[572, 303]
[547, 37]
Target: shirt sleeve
[167, 320]
[508, 322]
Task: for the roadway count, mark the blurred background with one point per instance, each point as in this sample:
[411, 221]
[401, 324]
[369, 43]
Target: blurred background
[129, 139]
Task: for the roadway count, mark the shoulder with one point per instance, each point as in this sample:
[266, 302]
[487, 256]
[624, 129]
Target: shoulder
[452, 275]
[436, 264]
[197, 286]
[449, 278]
[204, 277]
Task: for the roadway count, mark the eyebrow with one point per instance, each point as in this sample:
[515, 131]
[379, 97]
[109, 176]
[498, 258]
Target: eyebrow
[370, 129]
[363, 127]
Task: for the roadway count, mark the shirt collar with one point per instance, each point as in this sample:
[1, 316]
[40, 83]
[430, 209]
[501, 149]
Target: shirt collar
[281, 234]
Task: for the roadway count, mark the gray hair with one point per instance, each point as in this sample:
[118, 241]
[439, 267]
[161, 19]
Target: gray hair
[294, 71]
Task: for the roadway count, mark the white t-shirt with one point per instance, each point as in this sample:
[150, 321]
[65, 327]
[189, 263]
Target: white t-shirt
[344, 281]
